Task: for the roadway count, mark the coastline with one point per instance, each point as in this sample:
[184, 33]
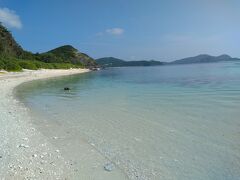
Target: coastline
[25, 153]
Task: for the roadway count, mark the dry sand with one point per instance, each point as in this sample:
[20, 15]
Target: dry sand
[25, 153]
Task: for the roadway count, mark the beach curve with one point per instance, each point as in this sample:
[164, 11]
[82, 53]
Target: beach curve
[25, 153]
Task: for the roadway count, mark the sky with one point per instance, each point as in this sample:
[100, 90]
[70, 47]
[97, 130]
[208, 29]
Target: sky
[163, 30]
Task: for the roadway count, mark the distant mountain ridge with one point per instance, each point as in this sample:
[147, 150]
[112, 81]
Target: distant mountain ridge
[202, 58]
[115, 62]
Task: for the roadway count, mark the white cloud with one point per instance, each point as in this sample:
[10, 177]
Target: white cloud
[115, 31]
[111, 31]
[9, 18]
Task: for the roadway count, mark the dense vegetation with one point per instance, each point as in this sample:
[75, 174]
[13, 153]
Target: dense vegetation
[14, 58]
[15, 64]
[114, 62]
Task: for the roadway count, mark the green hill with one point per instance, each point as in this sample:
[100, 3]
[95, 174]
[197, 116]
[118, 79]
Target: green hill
[68, 54]
[14, 58]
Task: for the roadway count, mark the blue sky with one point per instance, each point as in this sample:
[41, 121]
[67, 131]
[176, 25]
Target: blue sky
[130, 29]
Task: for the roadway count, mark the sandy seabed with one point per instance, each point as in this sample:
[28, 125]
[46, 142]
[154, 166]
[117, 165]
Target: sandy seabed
[25, 153]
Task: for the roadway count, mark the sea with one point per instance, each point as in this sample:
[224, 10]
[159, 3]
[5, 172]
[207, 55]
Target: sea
[172, 122]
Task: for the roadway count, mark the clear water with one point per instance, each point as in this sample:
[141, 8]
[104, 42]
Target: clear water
[168, 122]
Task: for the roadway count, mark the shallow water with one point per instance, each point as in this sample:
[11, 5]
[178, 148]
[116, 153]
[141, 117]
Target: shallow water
[167, 122]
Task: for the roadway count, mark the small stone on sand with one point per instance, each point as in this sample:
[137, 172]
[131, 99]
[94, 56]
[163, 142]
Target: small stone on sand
[34, 155]
[23, 146]
[109, 167]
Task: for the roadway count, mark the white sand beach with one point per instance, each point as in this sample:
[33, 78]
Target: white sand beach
[25, 153]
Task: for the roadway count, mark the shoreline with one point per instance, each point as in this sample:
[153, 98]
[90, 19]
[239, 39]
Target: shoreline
[25, 153]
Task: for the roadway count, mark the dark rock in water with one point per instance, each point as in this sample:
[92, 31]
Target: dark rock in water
[66, 89]
[109, 167]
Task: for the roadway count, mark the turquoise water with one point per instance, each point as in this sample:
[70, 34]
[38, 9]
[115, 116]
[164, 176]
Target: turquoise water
[168, 122]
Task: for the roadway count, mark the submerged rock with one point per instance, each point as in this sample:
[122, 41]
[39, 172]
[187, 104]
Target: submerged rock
[66, 89]
[109, 167]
